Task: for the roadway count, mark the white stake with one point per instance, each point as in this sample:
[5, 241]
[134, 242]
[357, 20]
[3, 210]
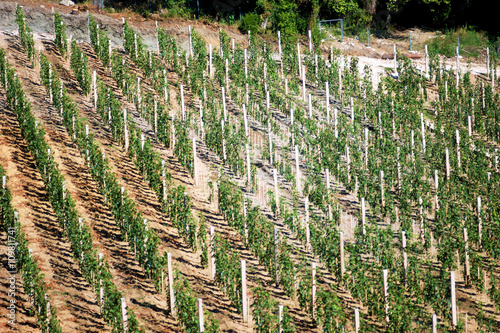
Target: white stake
[327, 91]
[423, 130]
[356, 320]
[124, 314]
[245, 120]
[480, 223]
[467, 266]
[182, 103]
[276, 194]
[363, 215]
[195, 163]
[453, 300]
[94, 81]
[212, 251]
[297, 170]
[385, 274]
[313, 288]
[171, 284]
[201, 320]
[249, 175]
[342, 264]
[447, 157]
[244, 290]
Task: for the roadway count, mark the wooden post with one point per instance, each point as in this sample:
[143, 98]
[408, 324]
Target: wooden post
[342, 262]
[171, 284]
[434, 323]
[201, 320]
[453, 300]
[385, 274]
[244, 290]
[124, 314]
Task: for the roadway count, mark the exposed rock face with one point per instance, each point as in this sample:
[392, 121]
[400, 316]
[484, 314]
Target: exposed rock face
[67, 3]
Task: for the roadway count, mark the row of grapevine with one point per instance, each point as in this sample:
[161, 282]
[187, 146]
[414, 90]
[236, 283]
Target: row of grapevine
[23, 261]
[78, 233]
[174, 200]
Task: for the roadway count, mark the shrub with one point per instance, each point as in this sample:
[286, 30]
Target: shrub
[471, 43]
[250, 21]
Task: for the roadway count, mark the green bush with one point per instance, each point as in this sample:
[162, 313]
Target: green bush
[471, 43]
[250, 21]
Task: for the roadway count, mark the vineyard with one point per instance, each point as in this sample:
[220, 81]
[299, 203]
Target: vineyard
[242, 186]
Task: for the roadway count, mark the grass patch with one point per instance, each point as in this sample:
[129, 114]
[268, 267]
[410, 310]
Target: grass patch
[472, 43]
